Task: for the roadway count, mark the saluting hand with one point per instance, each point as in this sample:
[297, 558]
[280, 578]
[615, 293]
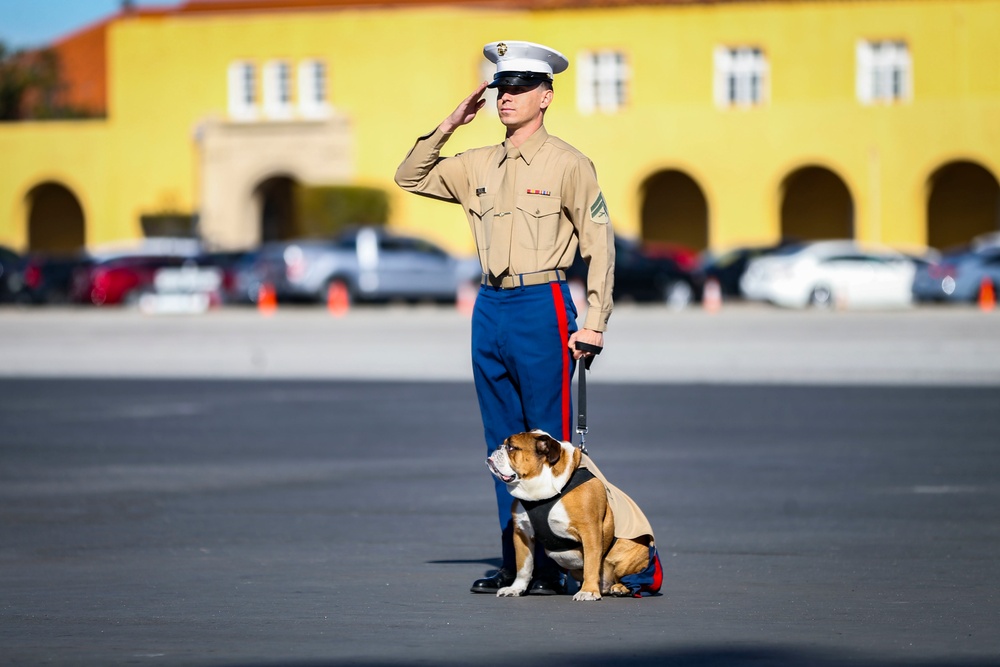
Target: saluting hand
[466, 111]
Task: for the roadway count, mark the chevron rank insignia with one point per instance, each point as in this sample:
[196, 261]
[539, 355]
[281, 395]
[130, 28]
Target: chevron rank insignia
[599, 210]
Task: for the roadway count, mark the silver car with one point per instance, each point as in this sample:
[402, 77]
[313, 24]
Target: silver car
[370, 263]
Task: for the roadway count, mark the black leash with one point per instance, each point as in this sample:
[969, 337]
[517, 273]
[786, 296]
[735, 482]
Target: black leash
[581, 395]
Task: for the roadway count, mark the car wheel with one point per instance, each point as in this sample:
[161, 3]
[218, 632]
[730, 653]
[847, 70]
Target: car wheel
[678, 294]
[133, 297]
[821, 297]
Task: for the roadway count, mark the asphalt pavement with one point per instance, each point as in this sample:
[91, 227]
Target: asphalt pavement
[307, 490]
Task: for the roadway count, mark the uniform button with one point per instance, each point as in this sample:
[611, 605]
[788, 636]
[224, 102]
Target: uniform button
[537, 211]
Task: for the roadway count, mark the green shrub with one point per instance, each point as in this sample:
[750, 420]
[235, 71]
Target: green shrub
[324, 210]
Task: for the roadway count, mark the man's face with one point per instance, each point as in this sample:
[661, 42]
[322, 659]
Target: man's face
[520, 105]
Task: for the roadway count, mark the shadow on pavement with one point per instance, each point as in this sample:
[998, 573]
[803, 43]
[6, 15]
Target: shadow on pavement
[767, 656]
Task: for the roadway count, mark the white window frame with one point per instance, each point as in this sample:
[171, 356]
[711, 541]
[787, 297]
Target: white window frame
[742, 77]
[278, 89]
[602, 81]
[884, 72]
[313, 89]
[243, 102]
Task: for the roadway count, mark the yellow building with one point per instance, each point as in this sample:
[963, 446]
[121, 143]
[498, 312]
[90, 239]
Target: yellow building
[711, 124]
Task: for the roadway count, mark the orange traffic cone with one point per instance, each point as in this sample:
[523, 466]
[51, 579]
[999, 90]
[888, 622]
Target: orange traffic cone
[338, 301]
[267, 299]
[987, 295]
[711, 297]
[465, 298]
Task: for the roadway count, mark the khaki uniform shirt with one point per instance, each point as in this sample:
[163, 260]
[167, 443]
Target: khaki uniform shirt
[534, 205]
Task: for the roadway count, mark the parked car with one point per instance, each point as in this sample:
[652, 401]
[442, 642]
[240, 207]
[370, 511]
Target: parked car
[844, 273]
[11, 275]
[48, 278]
[371, 263]
[686, 258]
[645, 276]
[125, 271]
[118, 280]
[246, 278]
[727, 268]
[128, 278]
[959, 275]
[229, 265]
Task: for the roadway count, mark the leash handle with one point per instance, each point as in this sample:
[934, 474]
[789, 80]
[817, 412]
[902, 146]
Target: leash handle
[581, 394]
[593, 349]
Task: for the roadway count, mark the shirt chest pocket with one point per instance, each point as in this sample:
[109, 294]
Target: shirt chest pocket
[537, 221]
[482, 219]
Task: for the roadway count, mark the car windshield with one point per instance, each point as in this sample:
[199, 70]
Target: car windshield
[784, 251]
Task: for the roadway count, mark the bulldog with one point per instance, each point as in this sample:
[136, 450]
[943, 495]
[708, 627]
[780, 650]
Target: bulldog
[585, 524]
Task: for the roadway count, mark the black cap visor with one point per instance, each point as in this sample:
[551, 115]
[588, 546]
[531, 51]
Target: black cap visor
[518, 79]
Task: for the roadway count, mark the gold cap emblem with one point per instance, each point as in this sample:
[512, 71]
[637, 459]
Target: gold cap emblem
[501, 48]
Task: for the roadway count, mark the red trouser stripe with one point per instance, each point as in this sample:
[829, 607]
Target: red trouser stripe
[557, 297]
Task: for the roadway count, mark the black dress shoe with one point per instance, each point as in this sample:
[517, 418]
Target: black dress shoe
[491, 584]
[550, 584]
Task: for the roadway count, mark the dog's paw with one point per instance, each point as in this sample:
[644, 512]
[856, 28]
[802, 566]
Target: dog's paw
[586, 596]
[620, 591]
[511, 591]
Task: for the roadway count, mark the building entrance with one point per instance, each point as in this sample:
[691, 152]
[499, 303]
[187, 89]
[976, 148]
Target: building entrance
[275, 200]
[674, 210]
[815, 205]
[963, 202]
[55, 220]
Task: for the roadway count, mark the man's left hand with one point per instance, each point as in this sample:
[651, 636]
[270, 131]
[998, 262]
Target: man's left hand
[585, 336]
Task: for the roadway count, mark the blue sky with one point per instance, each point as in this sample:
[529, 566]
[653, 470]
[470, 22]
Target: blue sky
[29, 23]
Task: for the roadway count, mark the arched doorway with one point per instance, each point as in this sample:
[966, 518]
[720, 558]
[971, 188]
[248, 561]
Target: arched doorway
[815, 205]
[964, 202]
[274, 199]
[674, 210]
[55, 220]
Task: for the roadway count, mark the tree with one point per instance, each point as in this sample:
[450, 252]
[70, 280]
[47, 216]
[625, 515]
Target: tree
[30, 86]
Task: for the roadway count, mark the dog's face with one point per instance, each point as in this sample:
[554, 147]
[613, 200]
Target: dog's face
[534, 465]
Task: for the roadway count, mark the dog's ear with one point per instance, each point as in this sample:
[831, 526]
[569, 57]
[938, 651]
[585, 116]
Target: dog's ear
[548, 447]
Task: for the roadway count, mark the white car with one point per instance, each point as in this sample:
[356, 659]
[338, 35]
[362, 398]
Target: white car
[845, 274]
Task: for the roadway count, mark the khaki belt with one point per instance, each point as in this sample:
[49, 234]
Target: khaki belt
[524, 279]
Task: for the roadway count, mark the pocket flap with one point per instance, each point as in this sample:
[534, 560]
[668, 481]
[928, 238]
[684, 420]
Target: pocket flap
[485, 205]
[539, 206]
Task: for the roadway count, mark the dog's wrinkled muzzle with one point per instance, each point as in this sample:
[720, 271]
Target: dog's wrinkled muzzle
[497, 463]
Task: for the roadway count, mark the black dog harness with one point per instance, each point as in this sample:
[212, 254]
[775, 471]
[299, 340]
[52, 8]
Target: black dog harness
[538, 514]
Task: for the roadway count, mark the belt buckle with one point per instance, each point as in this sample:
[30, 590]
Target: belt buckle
[495, 281]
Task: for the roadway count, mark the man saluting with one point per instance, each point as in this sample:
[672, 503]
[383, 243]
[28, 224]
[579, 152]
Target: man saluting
[532, 202]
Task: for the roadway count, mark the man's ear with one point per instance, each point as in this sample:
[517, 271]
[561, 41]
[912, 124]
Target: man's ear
[546, 98]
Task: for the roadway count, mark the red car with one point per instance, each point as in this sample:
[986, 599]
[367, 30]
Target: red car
[119, 280]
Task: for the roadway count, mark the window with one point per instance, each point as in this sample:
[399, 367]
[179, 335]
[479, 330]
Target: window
[741, 77]
[313, 101]
[243, 90]
[884, 72]
[278, 89]
[275, 97]
[601, 81]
